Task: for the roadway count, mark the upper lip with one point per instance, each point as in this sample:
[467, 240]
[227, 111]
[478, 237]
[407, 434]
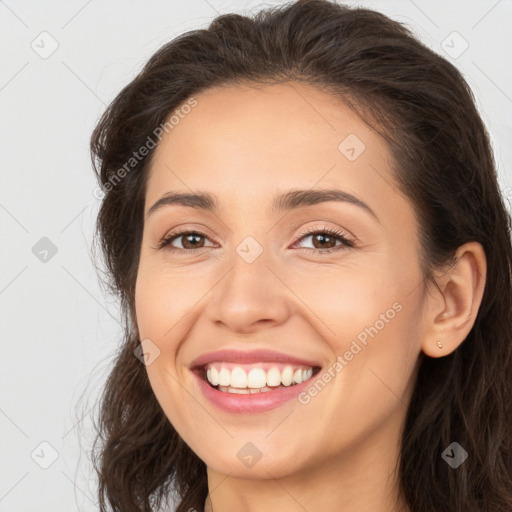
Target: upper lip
[249, 356]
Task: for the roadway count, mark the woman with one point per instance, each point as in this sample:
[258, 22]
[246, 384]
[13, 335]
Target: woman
[303, 222]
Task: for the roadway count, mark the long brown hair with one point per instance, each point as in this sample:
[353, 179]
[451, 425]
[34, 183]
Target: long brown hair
[422, 106]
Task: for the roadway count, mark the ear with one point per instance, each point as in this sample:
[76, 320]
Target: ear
[453, 306]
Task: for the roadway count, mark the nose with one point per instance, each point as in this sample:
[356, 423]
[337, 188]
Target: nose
[249, 297]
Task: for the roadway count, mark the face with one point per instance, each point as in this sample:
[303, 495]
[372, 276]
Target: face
[274, 284]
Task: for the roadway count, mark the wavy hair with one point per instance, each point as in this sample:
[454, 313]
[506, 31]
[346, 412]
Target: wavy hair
[443, 163]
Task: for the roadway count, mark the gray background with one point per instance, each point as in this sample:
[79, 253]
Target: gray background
[58, 329]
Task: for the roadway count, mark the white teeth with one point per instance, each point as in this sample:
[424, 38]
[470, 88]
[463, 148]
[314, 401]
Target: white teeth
[274, 377]
[238, 378]
[257, 380]
[287, 376]
[246, 391]
[224, 377]
[214, 376]
[239, 391]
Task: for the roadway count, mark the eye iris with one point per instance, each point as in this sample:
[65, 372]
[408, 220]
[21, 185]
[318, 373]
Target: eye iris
[323, 237]
[186, 240]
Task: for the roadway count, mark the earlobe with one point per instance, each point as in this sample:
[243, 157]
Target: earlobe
[454, 307]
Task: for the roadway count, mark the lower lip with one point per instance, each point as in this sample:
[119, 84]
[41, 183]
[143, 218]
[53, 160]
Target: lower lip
[251, 402]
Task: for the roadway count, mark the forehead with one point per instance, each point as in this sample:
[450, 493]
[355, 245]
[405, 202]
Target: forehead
[284, 119]
[247, 141]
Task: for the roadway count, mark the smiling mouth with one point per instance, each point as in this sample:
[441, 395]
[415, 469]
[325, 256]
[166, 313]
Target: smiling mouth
[247, 379]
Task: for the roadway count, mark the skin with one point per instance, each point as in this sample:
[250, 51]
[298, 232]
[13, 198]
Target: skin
[245, 144]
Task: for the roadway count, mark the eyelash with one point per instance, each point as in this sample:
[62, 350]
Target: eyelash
[166, 241]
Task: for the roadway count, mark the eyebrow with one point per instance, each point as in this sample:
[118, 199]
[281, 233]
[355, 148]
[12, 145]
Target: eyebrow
[290, 200]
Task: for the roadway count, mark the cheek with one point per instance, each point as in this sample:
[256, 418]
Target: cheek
[161, 303]
[370, 320]
[163, 296]
[343, 301]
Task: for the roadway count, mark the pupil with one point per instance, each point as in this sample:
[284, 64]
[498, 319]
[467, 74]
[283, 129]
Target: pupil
[323, 238]
[190, 238]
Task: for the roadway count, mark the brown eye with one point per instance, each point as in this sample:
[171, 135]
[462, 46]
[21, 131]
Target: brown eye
[324, 240]
[190, 240]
